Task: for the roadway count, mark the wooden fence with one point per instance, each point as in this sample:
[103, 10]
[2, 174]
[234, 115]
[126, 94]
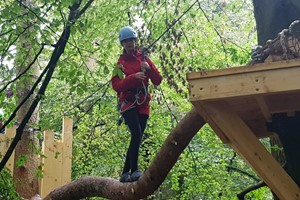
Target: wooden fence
[57, 159]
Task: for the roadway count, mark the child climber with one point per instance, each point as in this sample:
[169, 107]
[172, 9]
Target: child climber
[133, 96]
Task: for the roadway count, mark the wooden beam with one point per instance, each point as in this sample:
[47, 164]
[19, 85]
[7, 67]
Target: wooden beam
[259, 128]
[242, 139]
[264, 107]
[245, 83]
[244, 69]
[285, 102]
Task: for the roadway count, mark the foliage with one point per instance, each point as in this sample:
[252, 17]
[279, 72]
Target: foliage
[211, 35]
[7, 186]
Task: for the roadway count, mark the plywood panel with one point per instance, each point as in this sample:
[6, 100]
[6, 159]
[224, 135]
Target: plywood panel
[5, 141]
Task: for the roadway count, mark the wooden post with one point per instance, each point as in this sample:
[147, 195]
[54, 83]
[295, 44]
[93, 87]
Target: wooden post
[51, 163]
[5, 140]
[57, 164]
[57, 160]
[67, 140]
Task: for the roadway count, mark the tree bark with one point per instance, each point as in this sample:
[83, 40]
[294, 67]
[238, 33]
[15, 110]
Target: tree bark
[274, 16]
[271, 19]
[26, 180]
[165, 159]
[288, 129]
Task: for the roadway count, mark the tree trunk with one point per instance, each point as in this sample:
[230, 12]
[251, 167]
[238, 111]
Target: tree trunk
[26, 158]
[278, 153]
[288, 129]
[274, 16]
[271, 19]
[165, 159]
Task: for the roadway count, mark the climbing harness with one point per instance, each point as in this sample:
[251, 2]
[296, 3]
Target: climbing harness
[136, 92]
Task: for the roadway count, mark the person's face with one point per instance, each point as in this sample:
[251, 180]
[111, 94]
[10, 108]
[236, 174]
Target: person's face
[129, 45]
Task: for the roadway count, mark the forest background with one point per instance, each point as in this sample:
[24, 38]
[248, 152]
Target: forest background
[210, 34]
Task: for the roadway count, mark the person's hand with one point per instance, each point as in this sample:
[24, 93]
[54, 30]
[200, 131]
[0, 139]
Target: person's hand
[140, 76]
[145, 66]
[120, 67]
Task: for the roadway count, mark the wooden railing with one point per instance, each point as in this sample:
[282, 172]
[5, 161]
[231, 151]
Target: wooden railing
[57, 156]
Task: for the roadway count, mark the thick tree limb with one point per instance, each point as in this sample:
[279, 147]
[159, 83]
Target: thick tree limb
[165, 159]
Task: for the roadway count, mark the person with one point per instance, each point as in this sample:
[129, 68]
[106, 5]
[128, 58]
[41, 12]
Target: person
[133, 95]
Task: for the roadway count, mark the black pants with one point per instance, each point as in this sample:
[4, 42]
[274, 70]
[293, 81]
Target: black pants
[136, 124]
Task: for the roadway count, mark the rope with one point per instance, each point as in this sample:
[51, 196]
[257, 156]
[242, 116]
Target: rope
[171, 26]
[145, 95]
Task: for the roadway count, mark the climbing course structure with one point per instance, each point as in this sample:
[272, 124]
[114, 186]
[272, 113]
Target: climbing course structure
[240, 102]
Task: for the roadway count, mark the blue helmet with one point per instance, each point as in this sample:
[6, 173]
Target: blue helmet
[127, 32]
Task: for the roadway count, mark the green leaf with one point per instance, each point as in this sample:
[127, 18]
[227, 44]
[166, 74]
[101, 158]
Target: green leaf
[106, 70]
[21, 161]
[120, 74]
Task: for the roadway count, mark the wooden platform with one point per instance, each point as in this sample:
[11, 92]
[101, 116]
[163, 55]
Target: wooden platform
[238, 102]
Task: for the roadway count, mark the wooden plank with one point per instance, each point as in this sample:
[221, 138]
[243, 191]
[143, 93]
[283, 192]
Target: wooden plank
[285, 64]
[259, 128]
[46, 151]
[51, 164]
[247, 83]
[67, 139]
[283, 102]
[5, 141]
[220, 117]
[246, 107]
[264, 108]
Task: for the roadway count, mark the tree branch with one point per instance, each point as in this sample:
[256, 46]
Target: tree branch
[243, 172]
[12, 116]
[22, 73]
[10, 43]
[165, 159]
[241, 196]
[57, 52]
[87, 5]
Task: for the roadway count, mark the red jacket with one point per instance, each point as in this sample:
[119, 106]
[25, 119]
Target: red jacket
[131, 90]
